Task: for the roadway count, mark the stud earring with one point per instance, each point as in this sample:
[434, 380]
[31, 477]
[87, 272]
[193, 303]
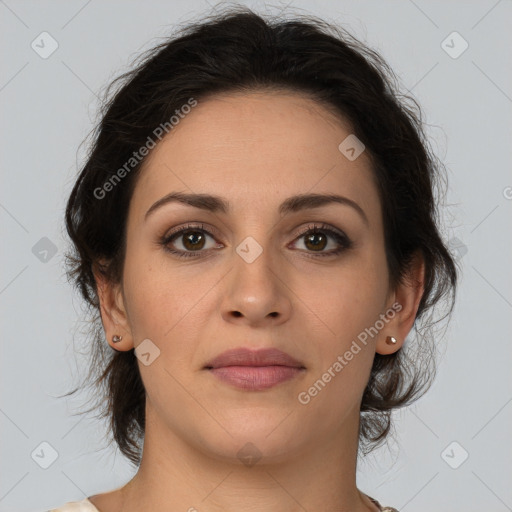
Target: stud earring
[391, 340]
[116, 338]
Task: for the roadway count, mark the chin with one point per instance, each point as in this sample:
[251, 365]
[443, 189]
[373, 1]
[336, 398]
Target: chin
[255, 437]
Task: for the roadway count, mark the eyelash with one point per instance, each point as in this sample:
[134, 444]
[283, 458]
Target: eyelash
[340, 237]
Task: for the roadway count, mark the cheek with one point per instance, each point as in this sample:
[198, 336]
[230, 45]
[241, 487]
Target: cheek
[349, 298]
[346, 307]
[344, 351]
[164, 303]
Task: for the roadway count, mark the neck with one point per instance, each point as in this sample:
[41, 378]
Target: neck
[174, 475]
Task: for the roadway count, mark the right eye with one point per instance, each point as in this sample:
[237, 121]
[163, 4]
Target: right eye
[191, 238]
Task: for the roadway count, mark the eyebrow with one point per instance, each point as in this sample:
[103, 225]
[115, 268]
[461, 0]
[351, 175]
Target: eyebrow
[295, 203]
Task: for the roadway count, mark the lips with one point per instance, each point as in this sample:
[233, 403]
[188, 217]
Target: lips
[248, 357]
[254, 370]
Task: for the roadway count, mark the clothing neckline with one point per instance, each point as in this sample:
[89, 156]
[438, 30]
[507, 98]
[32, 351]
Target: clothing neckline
[373, 500]
[90, 504]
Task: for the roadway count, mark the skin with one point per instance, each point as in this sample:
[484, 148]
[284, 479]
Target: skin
[255, 150]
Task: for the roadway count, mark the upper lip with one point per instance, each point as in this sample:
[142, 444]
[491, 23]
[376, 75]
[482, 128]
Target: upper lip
[251, 357]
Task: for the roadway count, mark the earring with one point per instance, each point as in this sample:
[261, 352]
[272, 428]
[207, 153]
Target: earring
[391, 340]
[116, 338]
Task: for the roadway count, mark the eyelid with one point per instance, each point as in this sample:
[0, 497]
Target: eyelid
[207, 228]
[321, 226]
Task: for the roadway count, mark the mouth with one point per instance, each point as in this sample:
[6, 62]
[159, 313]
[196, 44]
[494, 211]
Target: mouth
[254, 370]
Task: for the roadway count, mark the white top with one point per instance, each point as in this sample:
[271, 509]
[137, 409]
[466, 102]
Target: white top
[76, 506]
[86, 506]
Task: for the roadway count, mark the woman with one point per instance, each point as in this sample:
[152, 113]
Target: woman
[256, 225]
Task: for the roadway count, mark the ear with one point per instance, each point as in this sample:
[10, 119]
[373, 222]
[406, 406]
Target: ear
[406, 298]
[113, 310]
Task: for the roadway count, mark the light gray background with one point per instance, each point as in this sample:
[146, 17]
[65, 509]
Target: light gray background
[48, 107]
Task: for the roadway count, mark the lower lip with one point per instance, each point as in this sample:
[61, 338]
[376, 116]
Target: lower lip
[255, 378]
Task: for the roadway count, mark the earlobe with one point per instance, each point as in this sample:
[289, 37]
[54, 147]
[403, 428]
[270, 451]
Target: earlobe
[408, 294]
[113, 312]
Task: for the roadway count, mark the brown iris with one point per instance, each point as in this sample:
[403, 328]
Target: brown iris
[192, 239]
[313, 239]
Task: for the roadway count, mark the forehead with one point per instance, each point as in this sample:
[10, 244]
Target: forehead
[257, 147]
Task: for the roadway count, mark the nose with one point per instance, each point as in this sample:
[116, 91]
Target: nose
[256, 293]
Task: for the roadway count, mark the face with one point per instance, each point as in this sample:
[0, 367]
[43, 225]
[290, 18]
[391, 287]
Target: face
[307, 279]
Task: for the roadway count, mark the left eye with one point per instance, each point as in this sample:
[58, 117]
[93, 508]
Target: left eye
[316, 239]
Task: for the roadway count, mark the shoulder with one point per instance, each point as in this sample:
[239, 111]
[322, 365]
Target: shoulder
[76, 506]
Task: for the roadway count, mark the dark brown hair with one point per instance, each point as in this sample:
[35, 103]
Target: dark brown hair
[237, 51]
